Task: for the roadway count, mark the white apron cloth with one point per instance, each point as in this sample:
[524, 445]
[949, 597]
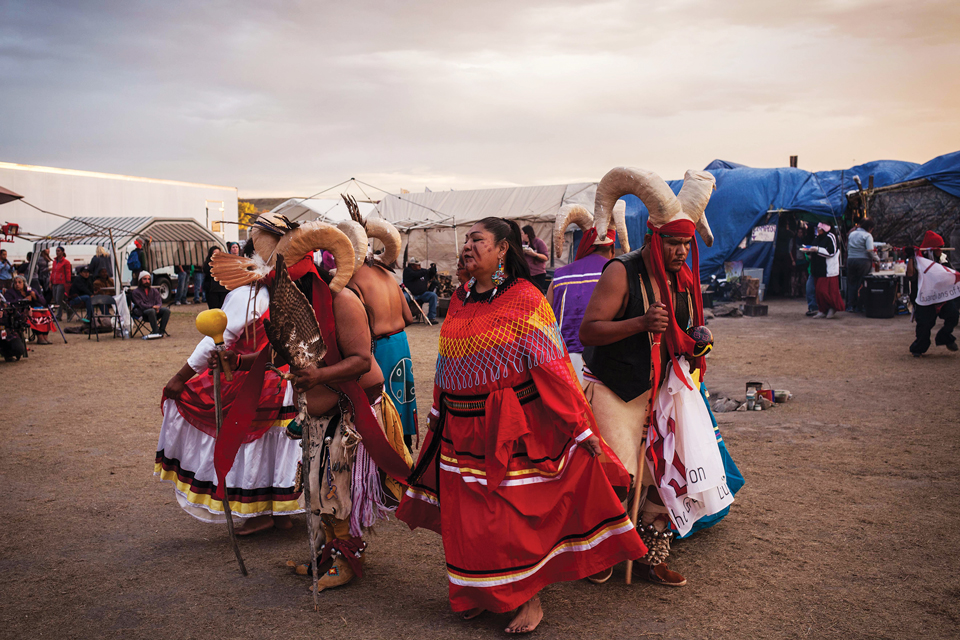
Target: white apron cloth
[692, 482]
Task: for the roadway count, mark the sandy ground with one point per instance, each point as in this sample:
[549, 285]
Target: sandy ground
[847, 526]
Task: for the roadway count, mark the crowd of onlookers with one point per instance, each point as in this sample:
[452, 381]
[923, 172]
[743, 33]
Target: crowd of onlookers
[58, 288]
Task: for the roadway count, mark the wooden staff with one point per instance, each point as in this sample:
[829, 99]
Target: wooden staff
[638, 481]
[212, 323]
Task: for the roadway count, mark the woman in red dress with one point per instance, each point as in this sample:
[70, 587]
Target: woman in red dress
[512, 474]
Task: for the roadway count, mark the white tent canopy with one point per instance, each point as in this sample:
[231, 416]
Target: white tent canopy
[323, 209]
[434, 223]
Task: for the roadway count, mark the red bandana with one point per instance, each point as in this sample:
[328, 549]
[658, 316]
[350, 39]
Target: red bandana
[587, 245]
[678, 342]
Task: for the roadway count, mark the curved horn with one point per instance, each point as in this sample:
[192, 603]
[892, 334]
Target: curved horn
[387, 234]
[620, 220]
[315, 235]
[358, 238]
[653, 192]
[697, 188]
[569, 214]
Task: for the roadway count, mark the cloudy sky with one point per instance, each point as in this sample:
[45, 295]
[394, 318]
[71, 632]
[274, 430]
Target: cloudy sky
[286, 98]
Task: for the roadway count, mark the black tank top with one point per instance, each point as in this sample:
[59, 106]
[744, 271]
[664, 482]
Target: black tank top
[625, 366]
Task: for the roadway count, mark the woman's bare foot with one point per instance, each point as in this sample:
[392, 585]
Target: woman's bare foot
[528, 617]
[282, 522]
[470, 614]
[254, 525]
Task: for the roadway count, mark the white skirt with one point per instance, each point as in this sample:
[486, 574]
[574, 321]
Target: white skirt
[263, 480]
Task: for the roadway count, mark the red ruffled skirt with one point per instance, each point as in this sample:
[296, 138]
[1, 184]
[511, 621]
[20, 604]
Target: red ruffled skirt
[828, 294]
[554, 515]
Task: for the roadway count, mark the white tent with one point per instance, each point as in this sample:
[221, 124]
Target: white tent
[325, 210]
[433, 223]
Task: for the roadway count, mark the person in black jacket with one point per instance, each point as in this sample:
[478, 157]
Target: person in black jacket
[214, 291]
[417, 282]
[82, 291]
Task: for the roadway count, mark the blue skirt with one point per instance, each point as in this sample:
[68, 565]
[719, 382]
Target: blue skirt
[393, 355]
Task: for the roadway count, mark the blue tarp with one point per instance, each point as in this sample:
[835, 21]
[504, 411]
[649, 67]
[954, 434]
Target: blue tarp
[724, 164]
[835, 184]
[745, 196]
[943, 172]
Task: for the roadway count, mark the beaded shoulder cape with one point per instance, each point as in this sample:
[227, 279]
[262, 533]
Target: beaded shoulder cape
[484, 341]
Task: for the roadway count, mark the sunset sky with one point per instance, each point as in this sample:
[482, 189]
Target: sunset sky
[287, 98]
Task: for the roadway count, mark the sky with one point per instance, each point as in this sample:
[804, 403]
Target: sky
[289, 98]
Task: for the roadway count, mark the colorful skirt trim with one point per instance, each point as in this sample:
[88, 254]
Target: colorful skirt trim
[261, 482]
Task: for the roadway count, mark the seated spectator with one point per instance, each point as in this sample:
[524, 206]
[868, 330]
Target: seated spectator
[6, 271]
[103, 285]
[82, 290]
[147, 302]
[417, 282]
[38, 316]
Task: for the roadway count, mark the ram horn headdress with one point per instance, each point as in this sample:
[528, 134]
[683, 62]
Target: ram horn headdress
[569, 214]
[235, 271]
[353, 229]
[602, 223]
[315, 235]
[387, 234]
[656, 195]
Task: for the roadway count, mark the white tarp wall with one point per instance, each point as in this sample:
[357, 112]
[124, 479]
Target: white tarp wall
[84, 193]
[433, 224]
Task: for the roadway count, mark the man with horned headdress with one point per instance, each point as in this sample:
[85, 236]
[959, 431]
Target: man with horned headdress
[387, 310]
[636, 334]
[573, 284]
[350, 429]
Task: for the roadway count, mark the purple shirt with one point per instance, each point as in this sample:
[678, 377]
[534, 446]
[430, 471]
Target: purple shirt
[573, 285]
[536, 266]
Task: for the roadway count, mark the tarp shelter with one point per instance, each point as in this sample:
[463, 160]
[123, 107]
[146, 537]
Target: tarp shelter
[942, 172]
[433, 224]
[926, 198]
[173, 241]
[744, 211]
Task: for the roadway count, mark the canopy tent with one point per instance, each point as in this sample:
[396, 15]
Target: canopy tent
[173, 241]
[325, 210]
[434, 223]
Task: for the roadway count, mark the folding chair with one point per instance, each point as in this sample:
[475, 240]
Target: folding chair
[138, 324]
[114, 315]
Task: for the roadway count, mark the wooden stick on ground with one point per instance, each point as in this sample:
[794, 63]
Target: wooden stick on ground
[634, 514]
[305, 481]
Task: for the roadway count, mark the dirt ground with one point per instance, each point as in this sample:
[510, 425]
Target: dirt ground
[847, 527]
